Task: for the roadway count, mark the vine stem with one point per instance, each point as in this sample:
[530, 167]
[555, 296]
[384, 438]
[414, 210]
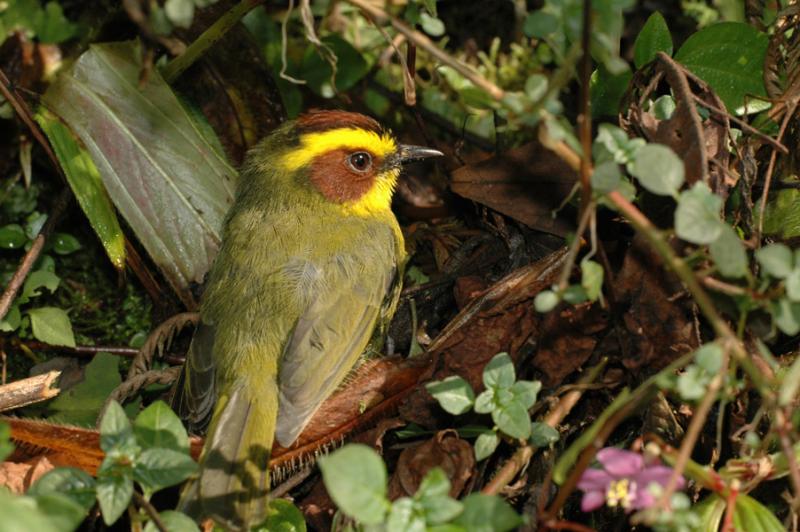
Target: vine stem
[655, 238]
[207, 39]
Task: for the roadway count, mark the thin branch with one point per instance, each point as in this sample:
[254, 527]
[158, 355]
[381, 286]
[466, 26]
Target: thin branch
[770, 169]
[553, 418]
[150, 510]
[421, 40]
[30, 257]
[207, 39]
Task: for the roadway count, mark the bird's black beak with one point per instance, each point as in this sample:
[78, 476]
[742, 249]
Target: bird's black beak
[409, 154]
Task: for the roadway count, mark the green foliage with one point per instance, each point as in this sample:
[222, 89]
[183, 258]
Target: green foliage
[130, 458]
[282, 516]
[658, 169]
[81, 404]
[52, 325]
[355, 478]
[653, 38]
[730, 57]
[47, 23]
[505, 398]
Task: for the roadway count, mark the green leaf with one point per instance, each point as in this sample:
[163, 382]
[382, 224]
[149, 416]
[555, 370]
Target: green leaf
[434, 484]
[431, 25]
[159, 468]
[440, 509]
[487, 513]
[180, 12]
[282, 516]
[606, 177]
[540, 24]
[709, 358]
[776, 259]
[790, 384]
[22, 514]
[653, 38]
[543, 434]
[350, 67]
[782, 214]
[12, 236]
[62, 511]
[592, 279]
[158, 426]
[697, 215]
[35, 281]
[114, 492]
[729, 254]
[164, 175]
[545, 301]
[663, 107]
[81, 404]
[692, 384]
[64, 244]
[180, 522]
[6, 447]
[355, 477]
[787, 316]
[12, 319]
[751, 515]
[34, 223]
[454, 394]
[486, 444]
[730, 57]
[85, 182]
[70, 482]
[499, 372]
[513, 419]
[52, 326]
[607, 90]
[116, 432]
[710, 511]
[659, 169]
[793, 285]
[485, 402]
[525, 392]
[405, 517]
[53, 26]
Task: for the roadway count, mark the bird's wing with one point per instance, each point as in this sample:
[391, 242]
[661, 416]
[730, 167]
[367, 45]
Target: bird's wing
[325, 345]
[195, 392]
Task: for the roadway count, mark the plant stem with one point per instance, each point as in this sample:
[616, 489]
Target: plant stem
[207, 39]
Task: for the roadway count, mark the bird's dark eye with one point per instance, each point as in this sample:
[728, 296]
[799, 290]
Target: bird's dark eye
[360, 161]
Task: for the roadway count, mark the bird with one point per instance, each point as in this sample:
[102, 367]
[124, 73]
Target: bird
[309, 270]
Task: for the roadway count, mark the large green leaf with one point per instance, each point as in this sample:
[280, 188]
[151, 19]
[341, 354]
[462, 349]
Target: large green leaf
[730, 57]
[160, 168]
[84, 179]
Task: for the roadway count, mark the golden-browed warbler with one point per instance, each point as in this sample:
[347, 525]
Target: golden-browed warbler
[310, 265]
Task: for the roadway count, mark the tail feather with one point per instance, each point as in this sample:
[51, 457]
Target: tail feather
[233, 482]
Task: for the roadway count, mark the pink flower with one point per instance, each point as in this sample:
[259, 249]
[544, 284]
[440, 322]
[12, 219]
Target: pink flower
[623, 481]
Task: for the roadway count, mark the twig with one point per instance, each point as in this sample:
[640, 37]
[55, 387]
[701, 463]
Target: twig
[150, 510]
[693, 432]
[770, 168]
[33, 253]
[553, 418]
[207, 39]
[585, 118]
[742, 124]
[28, 391]
[782, 426]
[422, 41]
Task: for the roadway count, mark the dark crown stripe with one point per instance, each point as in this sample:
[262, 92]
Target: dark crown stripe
[318, 120]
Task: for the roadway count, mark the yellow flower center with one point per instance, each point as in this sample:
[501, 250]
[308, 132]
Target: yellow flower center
[621, 493]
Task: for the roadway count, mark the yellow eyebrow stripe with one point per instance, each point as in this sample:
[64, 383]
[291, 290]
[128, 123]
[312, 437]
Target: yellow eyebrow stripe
[314, 144]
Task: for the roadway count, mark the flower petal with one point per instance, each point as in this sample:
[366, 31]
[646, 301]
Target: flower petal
[659, 474]
[619, 462]
[594, 479]
[592, 500]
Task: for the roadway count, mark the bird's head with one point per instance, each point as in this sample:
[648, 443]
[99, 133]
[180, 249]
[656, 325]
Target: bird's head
[344, 158]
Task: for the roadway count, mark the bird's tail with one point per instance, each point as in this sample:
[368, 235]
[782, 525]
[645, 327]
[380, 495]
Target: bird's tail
[233, 482]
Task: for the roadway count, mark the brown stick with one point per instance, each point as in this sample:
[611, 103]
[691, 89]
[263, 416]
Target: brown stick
[28, 391]
[33, 253]
[422, 41]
